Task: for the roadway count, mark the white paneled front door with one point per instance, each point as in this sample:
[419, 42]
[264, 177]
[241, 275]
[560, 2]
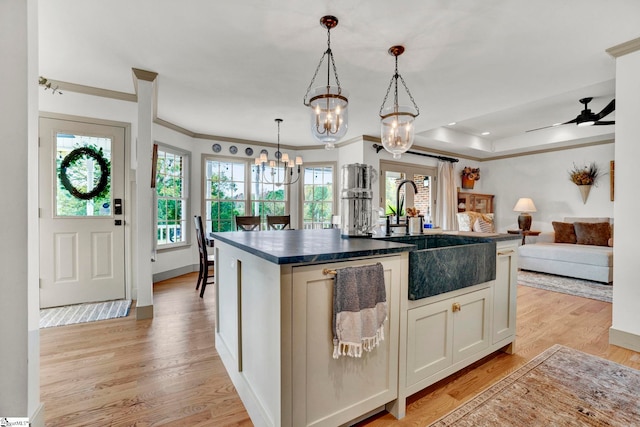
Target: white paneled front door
[82, 246]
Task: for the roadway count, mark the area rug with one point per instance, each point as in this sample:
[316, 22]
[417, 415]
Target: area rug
[82, 313]
[559, 387]
[566, 285]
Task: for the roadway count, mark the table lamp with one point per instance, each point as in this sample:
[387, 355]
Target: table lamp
[524, 206]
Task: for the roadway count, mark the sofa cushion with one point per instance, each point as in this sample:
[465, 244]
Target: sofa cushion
[569, 252]
[597, 233]
[564, 232]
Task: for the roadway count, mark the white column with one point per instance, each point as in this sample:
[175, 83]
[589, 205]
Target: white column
[144, 232]
[625, 330]
[19, 305]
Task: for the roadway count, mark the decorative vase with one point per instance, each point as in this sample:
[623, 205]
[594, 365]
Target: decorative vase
[584, 192]
[468, 183]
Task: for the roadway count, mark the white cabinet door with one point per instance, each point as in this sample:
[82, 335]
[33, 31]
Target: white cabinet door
[429, 338]
[471, 323]
[327, 391]
[505, 292]
[445, 332]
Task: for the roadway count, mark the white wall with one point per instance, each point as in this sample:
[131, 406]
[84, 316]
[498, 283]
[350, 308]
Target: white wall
[545, 178]
[626, 292]
[19, 333]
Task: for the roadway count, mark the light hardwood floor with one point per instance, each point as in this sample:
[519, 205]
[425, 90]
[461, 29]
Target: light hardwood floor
[165, 371]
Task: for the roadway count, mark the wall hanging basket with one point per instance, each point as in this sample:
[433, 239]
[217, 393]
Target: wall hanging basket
[584, 192]
[468, 183]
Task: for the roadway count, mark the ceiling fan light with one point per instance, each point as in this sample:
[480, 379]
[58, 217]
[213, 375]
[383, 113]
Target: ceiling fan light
[586, 123]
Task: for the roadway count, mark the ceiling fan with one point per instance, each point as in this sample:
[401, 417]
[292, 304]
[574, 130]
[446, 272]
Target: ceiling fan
[587, 117]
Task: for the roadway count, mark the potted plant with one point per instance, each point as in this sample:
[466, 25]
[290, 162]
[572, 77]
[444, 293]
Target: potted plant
[469, 177]
[584, 178]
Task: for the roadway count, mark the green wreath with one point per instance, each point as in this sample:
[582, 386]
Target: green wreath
[70, 160]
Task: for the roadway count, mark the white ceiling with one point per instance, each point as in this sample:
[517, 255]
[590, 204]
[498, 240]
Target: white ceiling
[229, 68]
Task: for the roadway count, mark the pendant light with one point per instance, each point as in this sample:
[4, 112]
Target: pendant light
[280, 171]
[397, 131]
[328, 104]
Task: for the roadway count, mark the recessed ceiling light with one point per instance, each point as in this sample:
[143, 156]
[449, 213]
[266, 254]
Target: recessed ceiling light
[485, 133]
[451, 124]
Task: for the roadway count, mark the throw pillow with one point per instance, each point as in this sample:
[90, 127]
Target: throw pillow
[564, 232]
[597, 233]
[482, 226]
[464, 222]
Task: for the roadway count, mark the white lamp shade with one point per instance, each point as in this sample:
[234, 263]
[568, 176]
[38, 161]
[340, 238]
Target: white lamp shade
[397, 130]
[524, 204]
[329, 114]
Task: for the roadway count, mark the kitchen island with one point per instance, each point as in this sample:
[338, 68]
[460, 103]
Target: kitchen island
[274, 292]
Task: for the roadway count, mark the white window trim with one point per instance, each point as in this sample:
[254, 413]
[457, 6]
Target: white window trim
[336, 208]
[186, 188]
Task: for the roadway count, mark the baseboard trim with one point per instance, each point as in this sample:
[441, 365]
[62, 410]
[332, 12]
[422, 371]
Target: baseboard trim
[37, 418]
[144, 312]
[624, 339]
[170, 274]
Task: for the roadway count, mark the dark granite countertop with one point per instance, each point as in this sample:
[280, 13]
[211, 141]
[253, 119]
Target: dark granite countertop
[307, 246]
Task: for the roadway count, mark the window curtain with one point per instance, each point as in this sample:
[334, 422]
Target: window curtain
[446, 190]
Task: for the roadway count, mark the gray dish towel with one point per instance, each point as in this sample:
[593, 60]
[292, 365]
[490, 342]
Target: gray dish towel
[359, 310]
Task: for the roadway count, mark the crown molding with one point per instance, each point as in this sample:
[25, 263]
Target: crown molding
[624, 48]
[627, 47]
[94, 91]
[145, 75]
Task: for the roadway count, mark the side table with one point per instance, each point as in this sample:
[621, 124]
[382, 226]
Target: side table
[524, 233]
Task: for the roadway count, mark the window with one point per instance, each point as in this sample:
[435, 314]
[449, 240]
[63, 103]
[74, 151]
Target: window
[235, 187]
[172, 197]
[318, 196]
[225, 193]
[267, 198]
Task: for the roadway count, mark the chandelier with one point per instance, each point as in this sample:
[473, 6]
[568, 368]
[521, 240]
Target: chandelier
[329, 104]
[396, 122]
[279, 171]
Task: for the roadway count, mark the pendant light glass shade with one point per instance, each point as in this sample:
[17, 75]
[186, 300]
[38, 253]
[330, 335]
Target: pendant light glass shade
[329, 114]
[396, 129]
[396, 121]
[328, 104]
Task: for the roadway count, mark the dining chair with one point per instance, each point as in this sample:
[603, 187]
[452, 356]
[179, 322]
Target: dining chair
[205, 277]
[248, 223]
[278, 222]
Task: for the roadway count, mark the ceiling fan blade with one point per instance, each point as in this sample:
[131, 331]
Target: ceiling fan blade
[608, 109]
[544, 127]
[604, 122]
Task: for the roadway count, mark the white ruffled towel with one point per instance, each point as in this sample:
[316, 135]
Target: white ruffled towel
[359, 310]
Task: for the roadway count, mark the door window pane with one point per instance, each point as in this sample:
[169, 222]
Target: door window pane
[83, 175]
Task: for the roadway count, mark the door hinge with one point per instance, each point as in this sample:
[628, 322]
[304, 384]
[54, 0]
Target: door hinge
[39, 212]
[40, 283]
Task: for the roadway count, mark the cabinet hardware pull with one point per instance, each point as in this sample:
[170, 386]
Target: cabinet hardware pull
[456, 307]
[327, 271]
[506, 252]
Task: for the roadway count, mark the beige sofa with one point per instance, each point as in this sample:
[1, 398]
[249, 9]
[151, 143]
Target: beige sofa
[583, 261]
